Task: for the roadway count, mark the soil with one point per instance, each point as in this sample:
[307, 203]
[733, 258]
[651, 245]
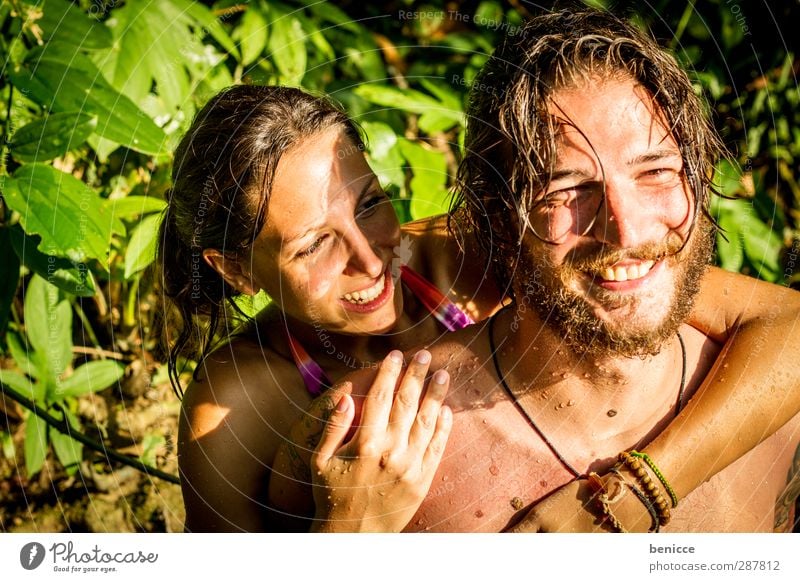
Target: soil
[98, 496]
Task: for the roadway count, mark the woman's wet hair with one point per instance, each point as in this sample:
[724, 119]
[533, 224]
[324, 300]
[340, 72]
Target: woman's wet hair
[510, 142]
[222, 178]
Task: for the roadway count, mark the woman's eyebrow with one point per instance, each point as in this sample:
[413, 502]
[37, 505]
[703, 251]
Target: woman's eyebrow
[654, 156]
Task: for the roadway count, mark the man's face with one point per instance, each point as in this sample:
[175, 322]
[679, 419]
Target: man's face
[622, 284]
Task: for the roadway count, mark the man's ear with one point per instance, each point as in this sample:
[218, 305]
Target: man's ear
[231, 268]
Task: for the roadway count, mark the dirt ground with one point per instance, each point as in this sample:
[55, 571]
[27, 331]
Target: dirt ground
[98, 496]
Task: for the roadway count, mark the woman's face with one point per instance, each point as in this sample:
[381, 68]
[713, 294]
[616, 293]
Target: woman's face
[325, 252]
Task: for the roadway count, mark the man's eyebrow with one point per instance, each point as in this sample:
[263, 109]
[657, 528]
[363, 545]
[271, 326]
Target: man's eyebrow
[569, 173]
[654, 156]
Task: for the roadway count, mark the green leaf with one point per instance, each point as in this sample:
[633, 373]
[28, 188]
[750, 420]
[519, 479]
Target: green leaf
[142, 246]
[251, 34]
[74, 278]
[407, 99]
[90, 377]
[729, 252]
[68, 450]
[48, 323]
[380, 138]
[51, 137]
[24, 358]
[7, 445]
[62, 210]
[150, 445]
[62, 87]
[9, 278]
[287, 49]
[62, 21]
[252, 305]
[25, 386]
[206, 20]
[428, 184]
[35, 444]
[133, 206]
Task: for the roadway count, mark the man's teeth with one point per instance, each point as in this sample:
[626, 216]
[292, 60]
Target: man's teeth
[366, 295]
[626, 273]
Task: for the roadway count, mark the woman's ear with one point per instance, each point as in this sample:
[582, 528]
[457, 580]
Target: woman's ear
[231, 268]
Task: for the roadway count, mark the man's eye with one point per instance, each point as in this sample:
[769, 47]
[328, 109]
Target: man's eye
[312, 249]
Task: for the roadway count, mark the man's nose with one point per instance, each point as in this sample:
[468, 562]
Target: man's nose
[626, 220]
[362, 259]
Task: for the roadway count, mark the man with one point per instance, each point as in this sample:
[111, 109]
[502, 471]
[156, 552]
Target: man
[586, 179]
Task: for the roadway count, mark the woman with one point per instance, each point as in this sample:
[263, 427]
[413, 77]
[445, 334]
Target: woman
[272, 192]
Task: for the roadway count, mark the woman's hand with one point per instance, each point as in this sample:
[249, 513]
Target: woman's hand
[377, 480]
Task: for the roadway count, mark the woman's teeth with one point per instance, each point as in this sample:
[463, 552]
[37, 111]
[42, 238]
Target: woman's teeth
[366, 295]
[626, 273]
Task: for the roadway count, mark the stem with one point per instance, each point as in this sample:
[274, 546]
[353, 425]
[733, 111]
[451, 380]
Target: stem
[87, 327]
[684, 22]
[129, 318]
[63, 427]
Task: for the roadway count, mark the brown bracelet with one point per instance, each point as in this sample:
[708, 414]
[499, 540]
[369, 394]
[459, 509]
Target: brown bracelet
[604, 502]
[649, 487]
[655, 526]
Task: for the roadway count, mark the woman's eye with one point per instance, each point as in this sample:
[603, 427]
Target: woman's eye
[311, 249]
[371, 203]
[661, 175]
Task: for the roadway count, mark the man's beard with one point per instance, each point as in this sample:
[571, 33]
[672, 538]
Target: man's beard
[570, 315]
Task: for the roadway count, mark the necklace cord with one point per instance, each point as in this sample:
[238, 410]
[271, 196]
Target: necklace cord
[575, 473]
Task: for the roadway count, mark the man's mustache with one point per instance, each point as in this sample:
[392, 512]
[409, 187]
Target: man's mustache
[595, 257]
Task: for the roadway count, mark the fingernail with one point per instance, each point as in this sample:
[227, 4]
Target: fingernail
[440, 377]
[343, 404]
[423, 357]
[396, 356]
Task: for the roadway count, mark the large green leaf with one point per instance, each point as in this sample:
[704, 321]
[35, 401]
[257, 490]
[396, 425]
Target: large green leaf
[55, 83]
[22, 384]
[35, 444]
[25, 359]
[142, 246]
[428, 184]
[287, 48]
[48, 322]
[74, 278]
[63, 21]
[205, 19]
[251, 35]
[9, 278]
[61, 209]
[90, 377]
[52, 136]
[133, 206]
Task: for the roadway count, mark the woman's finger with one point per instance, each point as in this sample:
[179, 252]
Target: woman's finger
[378, 402]
[438, 443]
[426, 421]
[406, 401]
[335, 431]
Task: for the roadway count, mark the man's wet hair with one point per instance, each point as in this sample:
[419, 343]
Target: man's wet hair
[510, 144]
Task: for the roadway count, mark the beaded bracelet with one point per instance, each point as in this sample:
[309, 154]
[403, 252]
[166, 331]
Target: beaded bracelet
[651, 489]
[650, 463]
[640, 495]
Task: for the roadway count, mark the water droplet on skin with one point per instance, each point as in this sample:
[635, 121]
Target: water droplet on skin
[444, 477]
[611, 413]
[571, 403]
[479, 514]
[587, 375]
[494, 470]
[517, 503]
[565, 375]
[484, 421]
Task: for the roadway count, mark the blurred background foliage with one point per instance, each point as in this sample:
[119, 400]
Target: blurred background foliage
[96, 93]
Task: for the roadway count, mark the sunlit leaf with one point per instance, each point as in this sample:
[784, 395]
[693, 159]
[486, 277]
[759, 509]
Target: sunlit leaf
[48, 323]
[62, 210]
[142, 246]
[90, 377]
[51, 137]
